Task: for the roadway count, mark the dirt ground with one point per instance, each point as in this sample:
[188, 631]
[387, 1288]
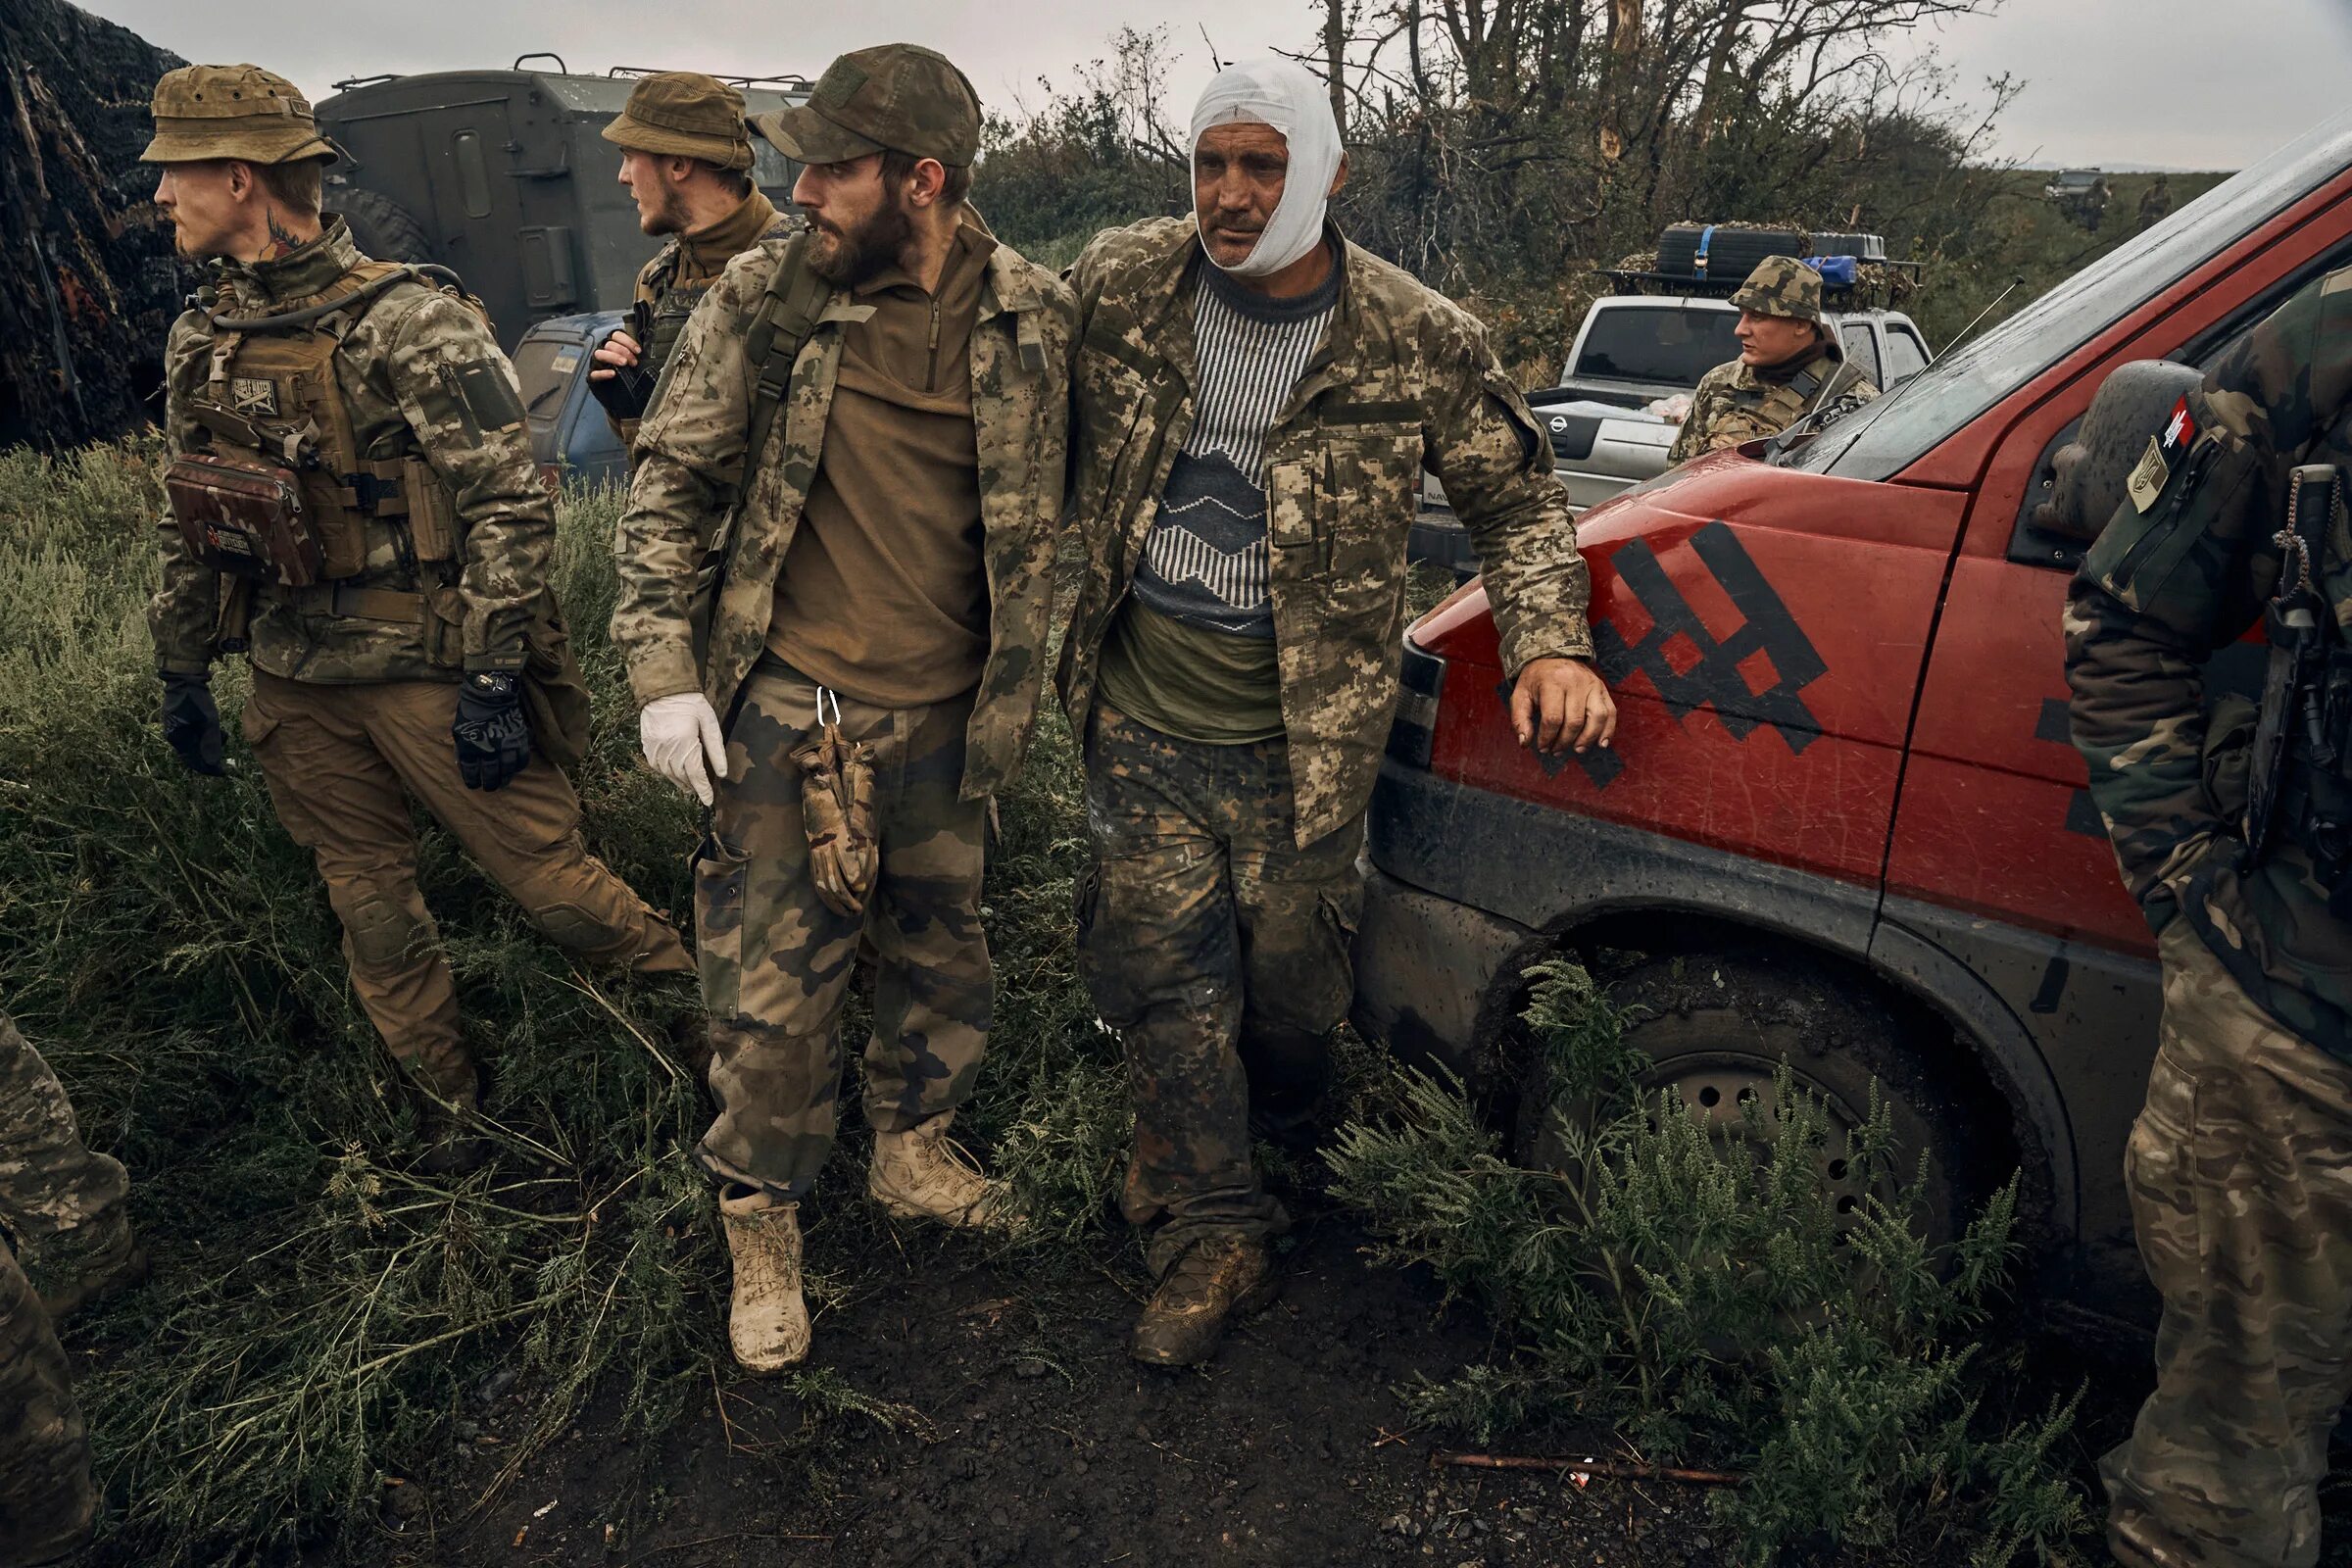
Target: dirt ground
[1022, 1435]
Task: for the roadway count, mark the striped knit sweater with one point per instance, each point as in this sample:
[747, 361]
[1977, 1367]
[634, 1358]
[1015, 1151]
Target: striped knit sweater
[1205, 562]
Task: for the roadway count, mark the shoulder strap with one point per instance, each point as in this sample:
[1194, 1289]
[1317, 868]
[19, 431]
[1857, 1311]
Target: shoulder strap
[780, 328]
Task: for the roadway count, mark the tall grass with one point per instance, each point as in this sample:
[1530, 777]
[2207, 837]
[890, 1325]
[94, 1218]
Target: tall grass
[319, 1317]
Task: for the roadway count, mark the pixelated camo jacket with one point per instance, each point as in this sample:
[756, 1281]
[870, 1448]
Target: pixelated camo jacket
[690, 451]
[1403, 380]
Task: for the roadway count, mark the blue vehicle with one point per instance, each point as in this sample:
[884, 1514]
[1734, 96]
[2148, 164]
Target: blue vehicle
[571, 439]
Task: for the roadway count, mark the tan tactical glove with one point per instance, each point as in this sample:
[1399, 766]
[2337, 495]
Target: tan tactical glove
[837, 808]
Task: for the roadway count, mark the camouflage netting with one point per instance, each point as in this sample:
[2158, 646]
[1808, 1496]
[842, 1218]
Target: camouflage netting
[87, 280]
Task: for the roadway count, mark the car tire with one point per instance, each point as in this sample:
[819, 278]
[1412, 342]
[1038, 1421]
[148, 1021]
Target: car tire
[1716, 1026]
[382, 229]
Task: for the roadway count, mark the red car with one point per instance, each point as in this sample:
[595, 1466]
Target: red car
[1842, 821]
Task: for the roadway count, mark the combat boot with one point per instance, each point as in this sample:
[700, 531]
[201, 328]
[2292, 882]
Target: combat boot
[449, 1126]
[921, 1174]
[86, 1264]
[768, 1321]
[1203, 1290]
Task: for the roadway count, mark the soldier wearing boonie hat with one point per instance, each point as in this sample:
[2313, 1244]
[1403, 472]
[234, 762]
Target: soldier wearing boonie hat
[880, 409]
[687, 160]
[1782, 374]
[242, 112]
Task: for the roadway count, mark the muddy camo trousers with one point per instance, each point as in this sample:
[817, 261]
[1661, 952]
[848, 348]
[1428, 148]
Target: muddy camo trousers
[1218, 949]
[51, 1182]
[776, 961]
[2240, 1170]
[342, 762]
[47, 1502]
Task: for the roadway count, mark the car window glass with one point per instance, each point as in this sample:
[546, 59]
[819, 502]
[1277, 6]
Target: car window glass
[1906, 355]
[1862, 351]
[544, 366]
[1675, 344]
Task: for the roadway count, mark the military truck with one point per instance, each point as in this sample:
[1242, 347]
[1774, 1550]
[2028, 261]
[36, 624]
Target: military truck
[505, 177]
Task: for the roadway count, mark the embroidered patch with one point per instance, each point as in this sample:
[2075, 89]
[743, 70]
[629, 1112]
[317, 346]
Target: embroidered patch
[2147, 479]
[252, 394]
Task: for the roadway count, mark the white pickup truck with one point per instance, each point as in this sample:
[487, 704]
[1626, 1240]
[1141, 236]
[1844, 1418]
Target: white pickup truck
[1635, 350]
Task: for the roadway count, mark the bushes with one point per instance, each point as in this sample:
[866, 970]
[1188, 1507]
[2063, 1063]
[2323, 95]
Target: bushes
[1713, 1307]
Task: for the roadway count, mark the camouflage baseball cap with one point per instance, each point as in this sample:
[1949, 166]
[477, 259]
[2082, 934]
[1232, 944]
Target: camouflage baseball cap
[684, 114]
[1783, 286]
[895, 97]
[242, 112]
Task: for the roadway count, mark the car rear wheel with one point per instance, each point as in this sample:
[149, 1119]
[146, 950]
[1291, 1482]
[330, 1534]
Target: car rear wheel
[1715, 1029]
[381, 228]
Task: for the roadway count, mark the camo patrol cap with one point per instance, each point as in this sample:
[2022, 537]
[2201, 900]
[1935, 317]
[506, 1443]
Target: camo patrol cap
[242, 112]
[895, 97]
[684, 114]
[1783, 286]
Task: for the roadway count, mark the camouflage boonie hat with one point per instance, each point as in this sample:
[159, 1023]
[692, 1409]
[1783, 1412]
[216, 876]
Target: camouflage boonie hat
[1783, 286]
[242, 112]
[895, 97]
[684, 114]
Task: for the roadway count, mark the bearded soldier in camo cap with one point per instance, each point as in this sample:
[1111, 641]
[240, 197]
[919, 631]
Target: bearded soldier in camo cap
[1255, 401]
[354, 505]
[686, 158]
[834, 581]
[1791, 365]
[2234, 829]
[62, 1206]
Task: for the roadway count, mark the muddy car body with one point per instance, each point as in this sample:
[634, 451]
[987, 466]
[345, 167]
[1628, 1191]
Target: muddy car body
[1844, 822]
[504, 176]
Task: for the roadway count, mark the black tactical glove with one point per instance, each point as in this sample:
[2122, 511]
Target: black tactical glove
[494, 739]
[192, 724]
[627, 391]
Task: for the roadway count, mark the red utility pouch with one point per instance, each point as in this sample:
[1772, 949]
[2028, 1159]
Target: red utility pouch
[243, 517]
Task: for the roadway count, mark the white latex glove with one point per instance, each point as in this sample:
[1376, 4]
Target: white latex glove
[678, 734]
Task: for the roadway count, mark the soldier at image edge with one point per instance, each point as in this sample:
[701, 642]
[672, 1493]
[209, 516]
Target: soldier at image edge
[1791, 365]
[355, 507]
[686, 159]
[1255, 400]
[835, 580]
[68, 1243]
[2233, 830]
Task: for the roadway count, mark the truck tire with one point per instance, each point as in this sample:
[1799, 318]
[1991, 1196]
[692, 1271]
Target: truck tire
[1716, 1026]
[383, 228]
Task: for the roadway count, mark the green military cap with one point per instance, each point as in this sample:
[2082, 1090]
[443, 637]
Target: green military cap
[684, 114]
[242, 112]
[1783, 286]
[895, 97]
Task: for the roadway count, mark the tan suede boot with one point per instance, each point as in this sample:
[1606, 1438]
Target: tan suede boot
[920, 1174]
[767, 1322]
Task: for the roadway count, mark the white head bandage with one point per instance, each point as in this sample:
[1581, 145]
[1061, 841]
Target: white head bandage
[1293, 100]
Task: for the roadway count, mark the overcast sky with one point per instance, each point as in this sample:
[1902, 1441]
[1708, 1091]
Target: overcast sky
[2182, 84]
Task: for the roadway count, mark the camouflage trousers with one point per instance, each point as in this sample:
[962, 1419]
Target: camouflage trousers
[1217, 949]
[342, 762]
[47, 1502]
[2240, 1174]
[50, 1180]
[776, 961]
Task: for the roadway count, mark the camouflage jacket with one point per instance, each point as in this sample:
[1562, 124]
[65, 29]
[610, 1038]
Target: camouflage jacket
[402, 369]
[690, 453]
[681, 272]
[1734, 404]
[1403, 380]
[2163, 590]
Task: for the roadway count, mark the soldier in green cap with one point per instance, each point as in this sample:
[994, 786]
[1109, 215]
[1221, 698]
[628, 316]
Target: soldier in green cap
[354, 505]
[686, 158]
[835, 582]
[1790, 365]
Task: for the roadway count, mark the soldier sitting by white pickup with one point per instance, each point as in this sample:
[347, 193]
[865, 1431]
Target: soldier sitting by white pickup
[1790, 365]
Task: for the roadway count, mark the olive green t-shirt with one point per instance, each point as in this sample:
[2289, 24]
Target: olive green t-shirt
[1209, 687]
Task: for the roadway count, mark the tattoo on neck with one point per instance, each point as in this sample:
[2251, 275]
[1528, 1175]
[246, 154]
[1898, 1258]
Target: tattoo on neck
[282, 240]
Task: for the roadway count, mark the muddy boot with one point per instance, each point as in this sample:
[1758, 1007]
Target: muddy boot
[768, 1321]
[920, 1174]
[86, 1264]
[1219, 1280]
[449, 1126]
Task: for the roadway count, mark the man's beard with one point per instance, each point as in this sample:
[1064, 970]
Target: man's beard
[670, 217]
[847, 258]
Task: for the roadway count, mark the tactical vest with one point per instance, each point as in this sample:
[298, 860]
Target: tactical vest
[280, 492]
[672, 302]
